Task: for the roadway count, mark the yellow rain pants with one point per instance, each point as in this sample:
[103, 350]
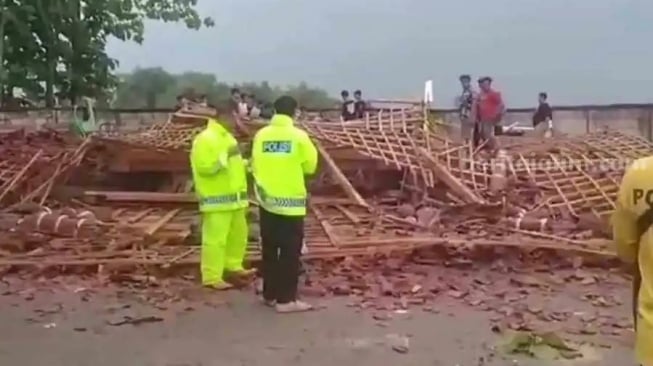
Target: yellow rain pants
[224, 242]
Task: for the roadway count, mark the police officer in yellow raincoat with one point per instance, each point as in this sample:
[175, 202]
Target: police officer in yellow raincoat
[219, 177]
[632, 224]
[282, 156]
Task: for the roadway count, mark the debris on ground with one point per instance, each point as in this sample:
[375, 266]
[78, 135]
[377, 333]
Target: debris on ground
[134, 321]
[543, 346]
[398, 343]
[400, 215]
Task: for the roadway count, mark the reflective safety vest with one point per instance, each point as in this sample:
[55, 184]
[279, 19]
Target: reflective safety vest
[282, 155]
[633, 237]
[218, 168]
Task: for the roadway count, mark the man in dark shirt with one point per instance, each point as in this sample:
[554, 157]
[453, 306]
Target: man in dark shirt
[543, 112]
[347, 112]
[360, 107]
[465, 103]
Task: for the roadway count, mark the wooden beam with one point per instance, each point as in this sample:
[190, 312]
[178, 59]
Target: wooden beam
[444, 175]
[181, 198]
[340, 178]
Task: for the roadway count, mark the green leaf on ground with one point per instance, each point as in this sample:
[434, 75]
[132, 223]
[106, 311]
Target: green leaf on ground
[544, 346]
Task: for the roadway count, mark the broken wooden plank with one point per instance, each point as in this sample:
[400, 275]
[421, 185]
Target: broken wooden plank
[162, 221]
[178, 198]
[447, 178]
[10, 186]
[340, 178]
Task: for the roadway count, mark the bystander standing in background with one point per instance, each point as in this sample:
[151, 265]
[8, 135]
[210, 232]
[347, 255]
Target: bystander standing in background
[253, 109]
[465, 104]
[181, 103]
[234, 101]
[543, 116]
[347, 111]
[267, 110]
[248, 99]
[203, 101]
[360, 107]
[489, 111]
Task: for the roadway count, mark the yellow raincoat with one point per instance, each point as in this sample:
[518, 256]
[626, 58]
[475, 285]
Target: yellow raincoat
[282, 155]
[634, 199]
[219, 177]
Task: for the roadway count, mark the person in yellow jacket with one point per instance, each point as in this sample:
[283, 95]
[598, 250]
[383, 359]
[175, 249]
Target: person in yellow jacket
[219, 177]
[632, 225]
[282, 156]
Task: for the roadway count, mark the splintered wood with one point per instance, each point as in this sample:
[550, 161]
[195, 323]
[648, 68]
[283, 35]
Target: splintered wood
[165, 136]
[332, 230]
[392, 181]
[564, 177]
[31, 164]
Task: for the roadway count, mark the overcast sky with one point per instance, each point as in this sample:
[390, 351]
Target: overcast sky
[579, 51]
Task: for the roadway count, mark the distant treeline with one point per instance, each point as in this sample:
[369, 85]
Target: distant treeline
[154, 88]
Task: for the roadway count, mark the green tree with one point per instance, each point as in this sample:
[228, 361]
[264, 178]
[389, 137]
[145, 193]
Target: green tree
[306, 96]
[262, 91]
[18, 48]
[87, 66]
[163, 89]
[144, 87]
[63, 44]
[196, 83]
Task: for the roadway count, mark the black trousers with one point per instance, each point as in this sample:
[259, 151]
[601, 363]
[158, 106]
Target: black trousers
[281, 244]
[476, 136]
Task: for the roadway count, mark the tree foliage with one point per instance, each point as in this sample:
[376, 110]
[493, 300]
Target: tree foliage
[155, 88]
[49, 46]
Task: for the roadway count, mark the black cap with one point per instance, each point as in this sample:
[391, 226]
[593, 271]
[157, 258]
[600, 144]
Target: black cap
[464, 77]
[485, 78]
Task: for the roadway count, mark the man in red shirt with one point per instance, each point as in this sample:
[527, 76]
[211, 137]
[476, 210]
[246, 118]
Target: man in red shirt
[489, 111]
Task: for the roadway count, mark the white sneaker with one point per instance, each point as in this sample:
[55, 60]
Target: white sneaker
[293, 307]
[269, 303]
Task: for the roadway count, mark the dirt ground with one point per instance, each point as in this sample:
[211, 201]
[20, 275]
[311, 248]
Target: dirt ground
[77, 326]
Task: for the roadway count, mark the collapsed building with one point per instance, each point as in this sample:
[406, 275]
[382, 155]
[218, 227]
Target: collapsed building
[392, 182]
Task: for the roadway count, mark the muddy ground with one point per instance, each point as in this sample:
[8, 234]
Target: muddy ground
[73, 325]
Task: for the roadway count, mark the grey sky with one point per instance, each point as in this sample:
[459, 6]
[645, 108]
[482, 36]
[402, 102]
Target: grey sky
[579, 51]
